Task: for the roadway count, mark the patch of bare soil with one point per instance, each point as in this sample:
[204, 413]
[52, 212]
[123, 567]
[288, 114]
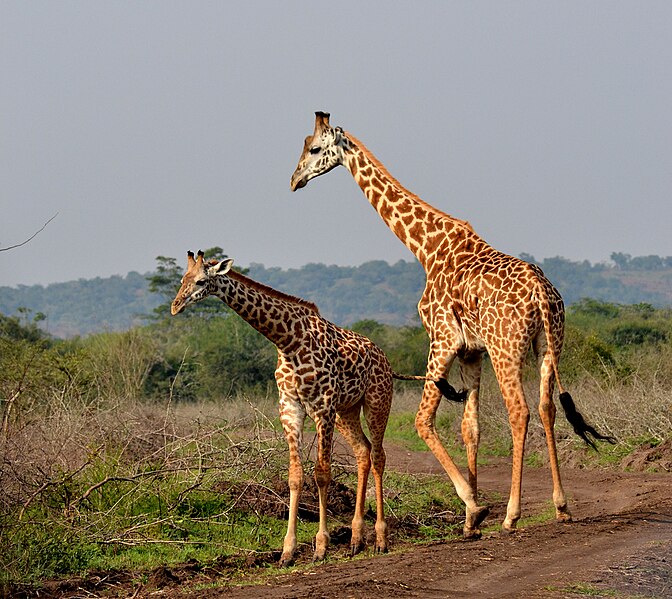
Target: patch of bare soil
[620, 544]
[272, 499]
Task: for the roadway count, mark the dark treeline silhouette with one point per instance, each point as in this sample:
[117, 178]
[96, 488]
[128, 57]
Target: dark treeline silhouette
[376, 290]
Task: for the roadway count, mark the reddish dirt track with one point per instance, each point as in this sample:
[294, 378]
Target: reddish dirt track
[620, 544]
[620, 541]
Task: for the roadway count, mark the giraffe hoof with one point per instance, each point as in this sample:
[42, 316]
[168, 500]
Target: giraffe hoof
[471, 530]
[474, 519]
[286, 562]
[472, 534]
[319, 556]
[380, 549]
[507, 532]
[562, 513]
[356, 548]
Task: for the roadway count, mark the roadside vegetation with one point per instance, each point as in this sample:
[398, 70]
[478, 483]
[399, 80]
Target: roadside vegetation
[161, 444]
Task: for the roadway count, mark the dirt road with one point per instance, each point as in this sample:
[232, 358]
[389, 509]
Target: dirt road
[620, 541]
[619, 545]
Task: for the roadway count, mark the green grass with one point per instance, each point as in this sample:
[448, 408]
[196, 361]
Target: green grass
[426, 506]
[612, 455]
[401, 429]
[140, 526]
[46, 545]
[534, 459]
[583, 589]
[543, 517]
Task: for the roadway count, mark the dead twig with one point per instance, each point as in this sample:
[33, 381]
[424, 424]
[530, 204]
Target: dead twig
[51, 483]
[18, 245]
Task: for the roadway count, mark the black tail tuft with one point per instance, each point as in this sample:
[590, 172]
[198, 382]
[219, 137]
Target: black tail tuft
[449, 392]
[581, 427]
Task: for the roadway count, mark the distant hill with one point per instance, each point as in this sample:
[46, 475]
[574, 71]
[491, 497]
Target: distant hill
[375, 290]
[84, 306]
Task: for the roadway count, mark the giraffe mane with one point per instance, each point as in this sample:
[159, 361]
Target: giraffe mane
[266, 290]
[381, 167]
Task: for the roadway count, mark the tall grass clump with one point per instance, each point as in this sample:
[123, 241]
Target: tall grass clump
[130, 486]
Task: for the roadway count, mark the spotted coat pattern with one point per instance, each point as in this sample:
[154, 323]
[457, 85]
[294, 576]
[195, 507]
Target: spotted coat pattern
[323, 371]
[476, 299]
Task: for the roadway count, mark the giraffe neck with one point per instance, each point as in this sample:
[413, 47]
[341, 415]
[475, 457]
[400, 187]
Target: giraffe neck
[279, 317]
[419, 226]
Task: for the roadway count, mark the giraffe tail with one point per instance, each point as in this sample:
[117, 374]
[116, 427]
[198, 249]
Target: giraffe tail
[580, 426]
[447, 390]
[574, 417]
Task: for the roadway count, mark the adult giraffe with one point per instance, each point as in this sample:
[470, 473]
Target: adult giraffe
[476, 299]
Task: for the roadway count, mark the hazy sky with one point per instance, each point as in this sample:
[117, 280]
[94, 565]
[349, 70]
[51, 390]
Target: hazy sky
[157, 127]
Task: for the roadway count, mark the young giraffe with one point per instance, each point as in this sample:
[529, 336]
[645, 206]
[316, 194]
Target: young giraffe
[329, 373]
[476, 299]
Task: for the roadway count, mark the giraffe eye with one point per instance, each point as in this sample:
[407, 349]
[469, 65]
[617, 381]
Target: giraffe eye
[200, 282]
[315, 150]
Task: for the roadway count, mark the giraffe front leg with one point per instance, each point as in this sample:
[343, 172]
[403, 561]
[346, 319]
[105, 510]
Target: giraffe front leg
[292, 416]
[325, 433]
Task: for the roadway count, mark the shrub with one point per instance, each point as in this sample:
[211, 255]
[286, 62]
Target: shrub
[636, 334]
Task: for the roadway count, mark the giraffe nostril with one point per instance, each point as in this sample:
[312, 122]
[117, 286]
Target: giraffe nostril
[297, 183]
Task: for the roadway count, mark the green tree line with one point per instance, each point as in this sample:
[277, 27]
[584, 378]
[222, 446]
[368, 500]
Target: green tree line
[376, 290]
[214, 355]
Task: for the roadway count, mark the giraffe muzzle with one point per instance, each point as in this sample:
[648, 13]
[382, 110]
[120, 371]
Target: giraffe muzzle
[176, 307]
[297, 182]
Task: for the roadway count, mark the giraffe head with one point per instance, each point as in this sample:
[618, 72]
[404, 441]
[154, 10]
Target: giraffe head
[198, 281]
[322, 151]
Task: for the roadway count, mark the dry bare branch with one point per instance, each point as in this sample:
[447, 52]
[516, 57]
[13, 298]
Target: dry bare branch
[18, 245]
[51, 483]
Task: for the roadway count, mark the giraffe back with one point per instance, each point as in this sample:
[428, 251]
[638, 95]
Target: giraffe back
[335, 362]
[489, 300]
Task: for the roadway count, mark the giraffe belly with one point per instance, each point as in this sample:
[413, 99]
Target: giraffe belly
[471, 340]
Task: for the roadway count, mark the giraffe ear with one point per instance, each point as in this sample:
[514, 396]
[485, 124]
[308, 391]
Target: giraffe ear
[221, 267]
[321, 121]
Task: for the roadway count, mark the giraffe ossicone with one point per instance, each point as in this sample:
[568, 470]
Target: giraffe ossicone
[326, 372]
[476, 300]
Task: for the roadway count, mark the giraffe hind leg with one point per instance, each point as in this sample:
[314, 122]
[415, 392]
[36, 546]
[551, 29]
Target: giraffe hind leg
[547, 413]
[291, 417]
[470, 369]
[350, 427]
[511, 386]
[425, 425]
[377, 411]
